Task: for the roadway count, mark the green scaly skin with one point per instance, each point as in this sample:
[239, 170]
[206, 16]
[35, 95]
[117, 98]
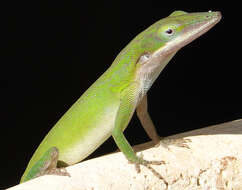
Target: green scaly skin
[106, 108]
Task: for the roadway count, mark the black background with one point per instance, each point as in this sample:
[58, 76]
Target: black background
[53, 51]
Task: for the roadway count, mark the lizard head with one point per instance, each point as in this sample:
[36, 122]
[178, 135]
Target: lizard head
[159, 43]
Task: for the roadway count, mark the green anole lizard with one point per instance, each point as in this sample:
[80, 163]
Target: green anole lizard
[106, 108]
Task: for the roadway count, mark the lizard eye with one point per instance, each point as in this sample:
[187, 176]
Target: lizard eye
[169, 31]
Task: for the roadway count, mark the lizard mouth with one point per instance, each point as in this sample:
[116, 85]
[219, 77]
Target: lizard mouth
[190, 33]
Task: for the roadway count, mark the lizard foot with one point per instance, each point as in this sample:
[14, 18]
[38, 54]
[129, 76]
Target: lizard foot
[180, 142]
[58, 171]
[147, 165]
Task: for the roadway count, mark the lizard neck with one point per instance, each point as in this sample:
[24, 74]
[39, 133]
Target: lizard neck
[149, 71]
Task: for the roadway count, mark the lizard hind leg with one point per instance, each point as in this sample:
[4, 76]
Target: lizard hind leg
[47, 165]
